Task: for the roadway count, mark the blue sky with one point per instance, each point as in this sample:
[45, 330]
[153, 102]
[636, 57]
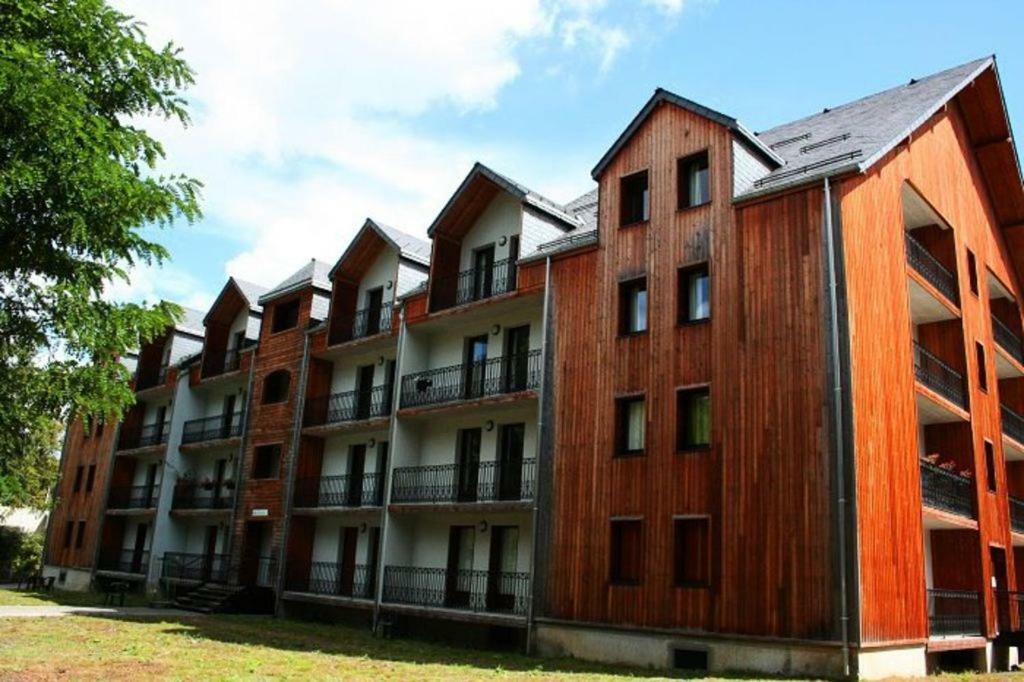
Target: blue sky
[310, 116]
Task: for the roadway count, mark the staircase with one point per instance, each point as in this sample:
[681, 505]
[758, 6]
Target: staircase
[209, 598]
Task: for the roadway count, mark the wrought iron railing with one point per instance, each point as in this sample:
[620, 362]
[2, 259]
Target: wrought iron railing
[146, 436]
[947, 491]
[125, 561]
[934, 272]
[1013, 423]
[150, 379]
[492, 377]
[133, 497]
[192, 495]
[938, 376]
[322, 577]
[1007, 339]
[475, 284]
[222, 362]
[348, 406]
[340, 491]
[466, 590]
[1009, 611]
[362, 324]
[1017, 514]
[212, 428]
[207, 568]
[485, 482]
[954, 612]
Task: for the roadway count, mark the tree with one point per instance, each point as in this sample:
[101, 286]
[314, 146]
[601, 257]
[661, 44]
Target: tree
[78, 191]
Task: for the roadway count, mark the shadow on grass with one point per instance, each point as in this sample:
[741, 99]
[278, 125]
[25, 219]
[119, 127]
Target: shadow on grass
[65, 598]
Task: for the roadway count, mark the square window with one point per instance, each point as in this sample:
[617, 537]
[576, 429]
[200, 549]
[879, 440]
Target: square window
[635, 199]
[693, 419]
[694, 294]
[266, 461]
[694, 179]
[286, 316]
[630, 425]
[691, 552]
[626, 551]
[633, 306]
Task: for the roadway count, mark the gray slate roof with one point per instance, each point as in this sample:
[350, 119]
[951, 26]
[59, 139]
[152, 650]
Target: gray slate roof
[252, 293]
[191, 322]
[855, 135]
[584, 208]
[413, 248]
[313, 273]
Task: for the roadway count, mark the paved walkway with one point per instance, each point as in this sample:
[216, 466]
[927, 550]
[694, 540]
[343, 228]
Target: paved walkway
[51, 611]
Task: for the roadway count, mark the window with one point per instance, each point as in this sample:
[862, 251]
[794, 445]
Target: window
[275, 387]
[693, 419]
[691, 552]
[99, 426]
[694, 180]
[266, 460]
[286, 316]
[694, 294]
[630, 425]
[80, 538]
[90, 479]
[635, 199]
[78, 478]
[633, 306]
[982, 368]
[69, 533]
[990, 466]
[972, 272]
[626, 551]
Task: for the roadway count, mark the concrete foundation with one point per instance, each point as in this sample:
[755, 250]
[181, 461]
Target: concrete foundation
[878, 664]
[70, 579]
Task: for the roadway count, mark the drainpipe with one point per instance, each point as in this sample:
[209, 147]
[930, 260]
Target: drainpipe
[539, 452]
[837, 426]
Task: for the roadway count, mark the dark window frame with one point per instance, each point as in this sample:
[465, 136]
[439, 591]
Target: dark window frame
[278, 393]
[684, 164]
[972, 272]
[683, 275]
[683, 394]
[279, 323]
[628, 290]
[79, 475]
[257, 472]
[990, 467]
[982, 357]
[80, 535]
[622, 404]
[90, 478]
[617, 568]
[629, 213]
[681, 565]
[69, 533]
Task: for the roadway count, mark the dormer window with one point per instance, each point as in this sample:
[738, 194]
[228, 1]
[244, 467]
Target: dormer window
[286, 316]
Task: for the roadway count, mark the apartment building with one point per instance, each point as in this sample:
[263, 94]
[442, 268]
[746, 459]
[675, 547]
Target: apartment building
[754, 403]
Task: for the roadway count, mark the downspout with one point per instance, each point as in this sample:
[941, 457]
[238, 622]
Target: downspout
[837, 426]
[539, 453]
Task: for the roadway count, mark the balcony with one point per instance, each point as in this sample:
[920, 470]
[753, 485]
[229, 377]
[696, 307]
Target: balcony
[212, 428]
[332, 579]
[933, 272]
[472, 381]
[475, 284]
[340, 491]
[206, 568]
[1016, 514]
[937, 376]
[193, 496]
[133, 497]
[148, 436]
[454, 484]
[1013, 433]
[954, 613]
[946, 491]
[363, 324]
[151, 379]
[1009, 611]
[348, 406]
[464, 590]
[216, 363]
[1007, 340]
[125, 561]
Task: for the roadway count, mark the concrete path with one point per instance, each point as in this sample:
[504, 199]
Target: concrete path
[51, 611]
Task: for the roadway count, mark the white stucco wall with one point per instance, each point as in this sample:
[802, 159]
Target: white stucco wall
[346, 368]
[327, 537]
[421, 540]
[336, 451]
[503, 218]
[382, 271]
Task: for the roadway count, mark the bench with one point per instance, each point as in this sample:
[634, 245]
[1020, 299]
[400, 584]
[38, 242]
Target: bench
[115, 590]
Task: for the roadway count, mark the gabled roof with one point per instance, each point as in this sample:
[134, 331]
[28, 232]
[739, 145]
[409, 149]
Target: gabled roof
[313, 273]
[584, 208]
[191, 322]
[249, 292]
[523, 194]
[405, 245]
[662, 96]
[852, 137]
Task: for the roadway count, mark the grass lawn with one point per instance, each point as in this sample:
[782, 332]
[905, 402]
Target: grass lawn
[19, 598]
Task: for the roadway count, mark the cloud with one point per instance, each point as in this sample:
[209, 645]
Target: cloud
[152, 283]
[607, 40]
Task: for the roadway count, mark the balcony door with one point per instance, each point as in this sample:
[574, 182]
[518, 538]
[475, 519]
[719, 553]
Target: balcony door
[389, 385]
[347, 543]
[517, 354]
[1004, 613]
[374, 305]
[474, 367]
[510, 461]
[501, 568]
[467, 469]
[209, 553]
[227, 416]
[373, 563]
[356, 469]
[364, 391]
[147, 493]
[158, 426]
[220, 468]
[483, 272]
[459, 576]
[139, 549]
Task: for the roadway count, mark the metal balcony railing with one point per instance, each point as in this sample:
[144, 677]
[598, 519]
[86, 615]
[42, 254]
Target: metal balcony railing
[340, 491]
[934, 272]
[475, 284]
[222, 362]
[447, 483]
[1007, 339]
[470, 381]
[1017, 514]
[946, 491]
[322, 577]
[131, 438]
[938, 376]
[150, 379]
[125, 561]
[481, 591]
[133, 497]
[1009, 611]
[1013, 423]
[192, 495]
[954, 612]
[207, 568]
[363, 323]
[212, 428]
[348, 406]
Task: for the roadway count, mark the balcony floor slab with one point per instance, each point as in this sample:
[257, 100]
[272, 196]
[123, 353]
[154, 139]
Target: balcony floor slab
[955, 643]
[937, 519]
[926, 303]
[211, 444]
[353, 427]
[366, 344]
[469, 407]
[328, 599]
[143, 511]
[506, 619]
[1013, 449]
[338, 511]
[481, 507]
[934, 409]
[147, 451]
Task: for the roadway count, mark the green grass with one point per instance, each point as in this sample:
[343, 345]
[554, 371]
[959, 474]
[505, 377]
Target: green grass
[20, 598]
